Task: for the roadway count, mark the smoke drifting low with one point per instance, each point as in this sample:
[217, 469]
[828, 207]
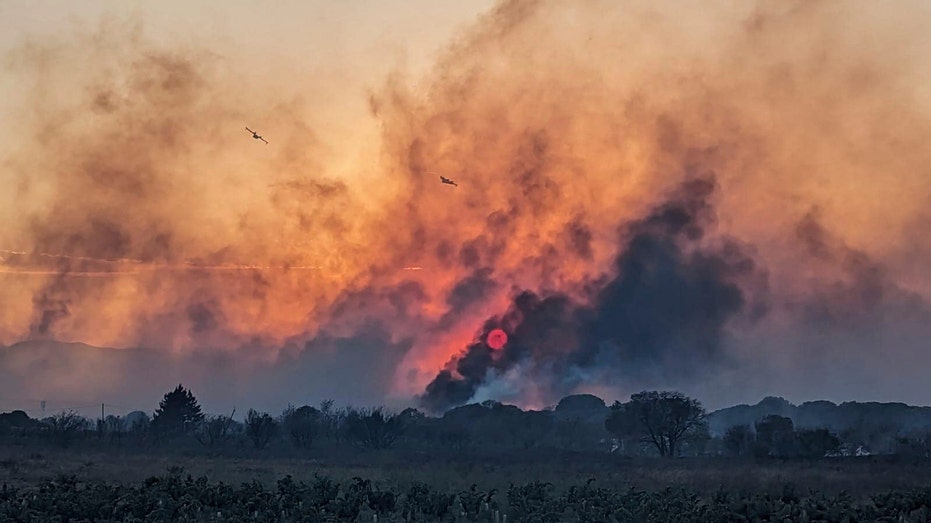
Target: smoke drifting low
[651, 195]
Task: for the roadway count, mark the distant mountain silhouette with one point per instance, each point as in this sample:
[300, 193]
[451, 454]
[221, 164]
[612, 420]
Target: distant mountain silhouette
[826, 414]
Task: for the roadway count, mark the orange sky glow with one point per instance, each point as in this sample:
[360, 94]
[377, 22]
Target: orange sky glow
[137, 212]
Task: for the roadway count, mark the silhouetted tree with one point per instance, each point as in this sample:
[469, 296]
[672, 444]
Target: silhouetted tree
[915, 443]
[454, 436]
[301, 425]
[18, 423]
[411, 416]
[138, 424]
[815, 443]
[532, 428]
[373, 428]
[623, 425]
[332, 420]
[775, 436]
[568, 434]
[65, 426]
[496, 425]
[661, 418]
[16, 418]
[738, 439]
[178, 412]
[112, 427]
[215, 430]
[694, 441]
[260, 428]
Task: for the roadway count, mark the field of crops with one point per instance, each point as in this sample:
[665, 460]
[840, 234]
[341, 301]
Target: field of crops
[176, 496]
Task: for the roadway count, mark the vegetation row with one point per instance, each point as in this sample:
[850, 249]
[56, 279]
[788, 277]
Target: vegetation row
[659, 423]
[176, 497]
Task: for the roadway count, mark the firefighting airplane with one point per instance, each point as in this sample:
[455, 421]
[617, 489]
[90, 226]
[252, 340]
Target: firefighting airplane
[447, 181]
[256, 135]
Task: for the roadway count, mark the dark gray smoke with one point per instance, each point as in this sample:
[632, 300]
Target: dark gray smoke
[49, 306]
[664, 309]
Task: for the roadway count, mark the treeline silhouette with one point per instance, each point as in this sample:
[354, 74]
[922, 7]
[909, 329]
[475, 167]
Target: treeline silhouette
[650, 423]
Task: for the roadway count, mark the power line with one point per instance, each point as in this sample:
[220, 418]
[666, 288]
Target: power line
[89, 410]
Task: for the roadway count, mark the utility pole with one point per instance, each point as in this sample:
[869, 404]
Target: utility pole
[102, 417]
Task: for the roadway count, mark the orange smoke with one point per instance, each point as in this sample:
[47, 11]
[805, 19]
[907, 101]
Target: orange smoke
[560, 122]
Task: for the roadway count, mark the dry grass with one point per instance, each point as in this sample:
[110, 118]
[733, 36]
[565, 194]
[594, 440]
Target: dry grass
[457, 471]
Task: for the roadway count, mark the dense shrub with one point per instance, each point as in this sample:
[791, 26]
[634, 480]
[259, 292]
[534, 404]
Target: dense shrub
[260, 428]
[174, 497]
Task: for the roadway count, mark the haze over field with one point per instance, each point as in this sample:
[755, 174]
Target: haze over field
[730, 199]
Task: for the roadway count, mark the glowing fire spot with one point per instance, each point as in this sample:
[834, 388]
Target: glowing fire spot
[496, 339]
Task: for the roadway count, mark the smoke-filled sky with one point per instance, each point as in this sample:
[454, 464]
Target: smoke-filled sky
[726, 198]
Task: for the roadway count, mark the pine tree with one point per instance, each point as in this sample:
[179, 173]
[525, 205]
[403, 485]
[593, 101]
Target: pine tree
[177, 412]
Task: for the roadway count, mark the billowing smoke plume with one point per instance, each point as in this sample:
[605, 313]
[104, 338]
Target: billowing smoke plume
[140, 213]
[666, 307]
